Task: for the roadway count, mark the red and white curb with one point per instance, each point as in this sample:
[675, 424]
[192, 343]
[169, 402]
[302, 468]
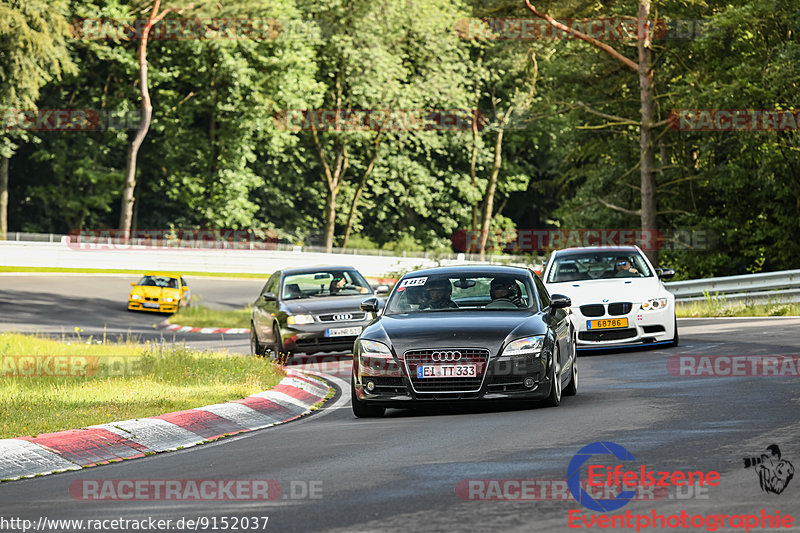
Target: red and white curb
[48, 453]
[177, 328]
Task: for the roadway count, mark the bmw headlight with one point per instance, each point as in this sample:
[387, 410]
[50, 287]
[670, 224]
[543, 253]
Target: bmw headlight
[526, 346]
[135, 297]
[168, 300]
[655, 303]
[299, 319]
[374, 348]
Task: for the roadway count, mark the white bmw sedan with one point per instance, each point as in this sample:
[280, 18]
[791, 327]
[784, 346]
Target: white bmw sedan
[617, 296]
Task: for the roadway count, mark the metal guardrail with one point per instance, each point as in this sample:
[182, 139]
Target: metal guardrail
[493, 258]
[777, 287]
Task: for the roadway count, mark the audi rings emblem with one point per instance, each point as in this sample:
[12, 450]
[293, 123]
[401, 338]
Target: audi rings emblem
[342, 317]
[446, 356]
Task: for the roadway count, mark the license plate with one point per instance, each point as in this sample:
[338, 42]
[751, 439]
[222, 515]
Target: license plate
[447, 371]
[607, 323]
[151, 305]
[343, 332]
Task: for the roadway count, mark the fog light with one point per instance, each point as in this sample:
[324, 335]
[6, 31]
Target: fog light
[528, 383]
[370, 386]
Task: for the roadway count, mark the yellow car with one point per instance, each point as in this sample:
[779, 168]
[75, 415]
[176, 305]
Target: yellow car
[163, 292]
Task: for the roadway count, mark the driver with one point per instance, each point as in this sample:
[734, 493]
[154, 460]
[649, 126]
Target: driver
[439, 292]
[624, 268]
[505, 289]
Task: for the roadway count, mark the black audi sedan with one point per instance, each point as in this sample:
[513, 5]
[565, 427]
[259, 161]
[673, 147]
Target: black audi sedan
[309, 310]
[465, 333]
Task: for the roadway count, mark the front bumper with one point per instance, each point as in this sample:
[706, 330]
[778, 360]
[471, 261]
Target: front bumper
[394, 383]
[136, 305]
[644, 327]
[313, 338]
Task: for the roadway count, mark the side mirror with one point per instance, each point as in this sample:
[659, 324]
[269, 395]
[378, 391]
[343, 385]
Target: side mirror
[665, 273]
[184, 288]
[269, 297]
[133, 283]
[559, 301]
[370, 305]
[382, 289]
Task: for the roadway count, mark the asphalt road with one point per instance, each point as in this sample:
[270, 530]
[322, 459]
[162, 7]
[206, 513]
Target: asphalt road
[401, 472]
[57, 304]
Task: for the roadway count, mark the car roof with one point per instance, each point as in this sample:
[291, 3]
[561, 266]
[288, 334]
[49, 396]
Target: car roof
[165, 274]
[318, 268]
[470, 269]
[597, 249]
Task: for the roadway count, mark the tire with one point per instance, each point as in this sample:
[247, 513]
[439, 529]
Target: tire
[572, 388]
[256, 348]
[276, 347]
[675, 339]
[360, 409]
[554, 399]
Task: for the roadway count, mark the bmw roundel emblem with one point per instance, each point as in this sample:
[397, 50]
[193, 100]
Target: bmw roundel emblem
[605, 300]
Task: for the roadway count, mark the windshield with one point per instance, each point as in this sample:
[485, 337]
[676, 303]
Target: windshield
[421, 294]
[598, 265]
[324, 283]
[159, 281]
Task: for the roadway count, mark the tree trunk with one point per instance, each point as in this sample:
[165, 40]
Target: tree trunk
[330, 218]
[357, 196]
[491, 187]
[3, 198]
[126, 210]
[472, 170]
[646, 137]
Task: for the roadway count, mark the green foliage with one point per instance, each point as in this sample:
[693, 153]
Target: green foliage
[215, 156]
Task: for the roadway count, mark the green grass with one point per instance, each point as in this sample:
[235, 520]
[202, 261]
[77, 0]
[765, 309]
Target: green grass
[132, 272]
[717, 306]
[162, 379]
[203, 317]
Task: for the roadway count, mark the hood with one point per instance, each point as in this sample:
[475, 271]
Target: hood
[614, 290]
[326, 304]
[454, 329]
[154, 292]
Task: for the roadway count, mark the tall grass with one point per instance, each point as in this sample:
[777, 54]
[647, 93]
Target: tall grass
[717, 305]
[203, 317]
[161, 379]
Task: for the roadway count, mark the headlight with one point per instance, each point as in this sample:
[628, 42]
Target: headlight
[374, 348]
[526, 346]
[135, 297]
[655, 303]
[168, 300]
[299, 319]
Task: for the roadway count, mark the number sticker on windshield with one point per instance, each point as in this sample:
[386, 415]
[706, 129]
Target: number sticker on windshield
[413, 282]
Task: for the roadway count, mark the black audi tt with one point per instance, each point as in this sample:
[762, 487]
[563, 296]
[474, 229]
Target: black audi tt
[465, 333]
[309, 310]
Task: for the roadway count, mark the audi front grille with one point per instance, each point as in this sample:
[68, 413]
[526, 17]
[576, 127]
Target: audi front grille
[449, 356]
[353, 316]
